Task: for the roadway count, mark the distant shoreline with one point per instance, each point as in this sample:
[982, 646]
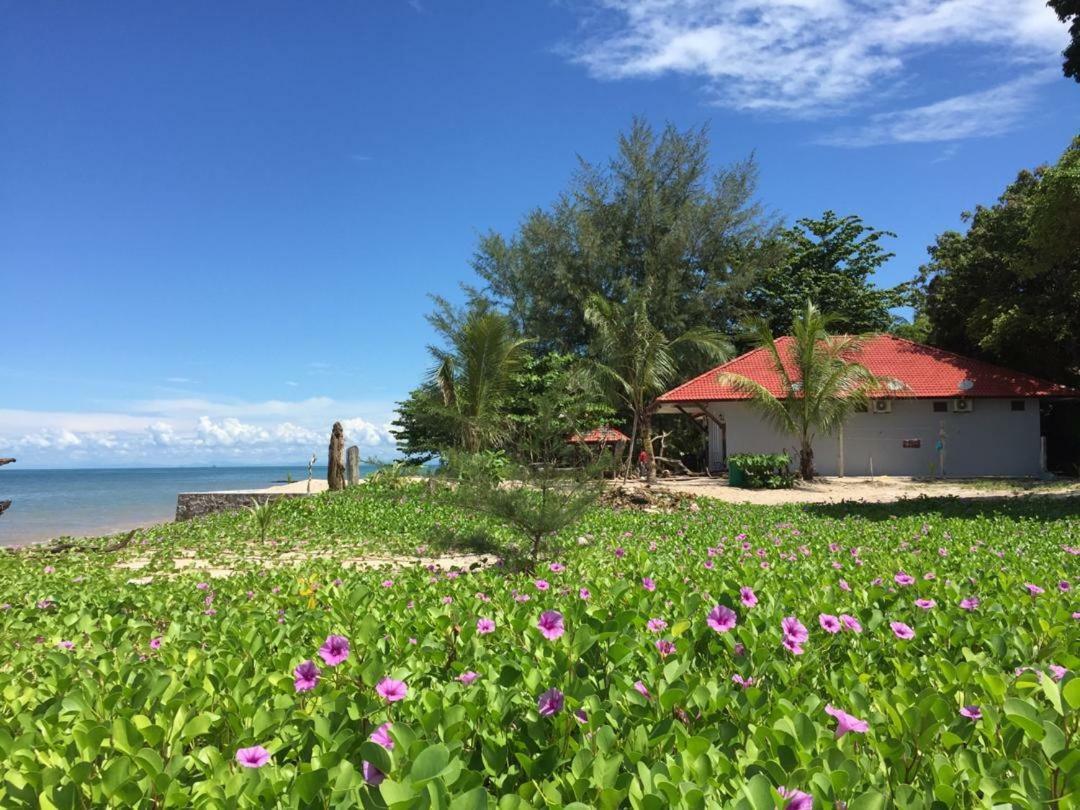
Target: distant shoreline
[50, 504]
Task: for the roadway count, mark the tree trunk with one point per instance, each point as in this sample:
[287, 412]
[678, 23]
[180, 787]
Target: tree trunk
[335, 464]
[630, 454]
[806, 461]
[646, 444]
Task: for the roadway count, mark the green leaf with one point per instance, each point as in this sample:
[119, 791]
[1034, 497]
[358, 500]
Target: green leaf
[871, 800]
[1071, 692]
[431, 762]
[475, 799]
[760, 793]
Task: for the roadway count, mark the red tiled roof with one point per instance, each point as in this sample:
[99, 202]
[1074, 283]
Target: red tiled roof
[601, 435]
[926, 371]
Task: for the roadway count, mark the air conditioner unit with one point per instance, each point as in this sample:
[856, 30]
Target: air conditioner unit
[881, 406]
[962, 405]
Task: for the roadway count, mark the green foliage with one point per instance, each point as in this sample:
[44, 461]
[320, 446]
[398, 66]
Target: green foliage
[637, 361]
[116, 722]
[820, 383]
[764, 470]
[540, 484]
[830, 261]
[262, 516]
[655, 216]
[421, 428]
[1068, 11]
[1008, 290]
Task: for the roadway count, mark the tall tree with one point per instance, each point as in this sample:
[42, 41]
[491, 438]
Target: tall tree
[1068, 12]
[820, 382]
[474, 371]
[830, 261]
[639, 361]
[1008, 290]
[654, 216]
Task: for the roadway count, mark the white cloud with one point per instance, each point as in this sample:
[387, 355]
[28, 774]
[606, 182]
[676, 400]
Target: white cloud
[192, 431]
[806, 57]
[981, 114]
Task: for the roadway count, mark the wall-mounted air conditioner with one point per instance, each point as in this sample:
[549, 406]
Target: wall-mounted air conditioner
[881, 406]
[962, 405]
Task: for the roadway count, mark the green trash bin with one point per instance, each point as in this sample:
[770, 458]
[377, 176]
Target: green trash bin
[735, 476]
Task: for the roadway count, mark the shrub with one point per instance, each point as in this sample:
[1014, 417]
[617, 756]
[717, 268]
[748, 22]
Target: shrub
[764, 470]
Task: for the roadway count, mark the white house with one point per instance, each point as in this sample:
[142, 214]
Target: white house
[953, 416]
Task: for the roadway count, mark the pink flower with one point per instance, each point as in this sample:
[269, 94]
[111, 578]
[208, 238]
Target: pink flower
[551, 702]
[391, 690]
[971, 712]
[656, 625]
[305, 676]
[468, 677]
[556, 568]
[49, 569]
[155, 643]
[665, 647]
[372, 775]
[66, 645]
[794, 629]
[541, 584]
[334, 650]
[925, 604]
[970, 603]
[830, 624]
[381, 736]
[721, 619]
[1057, 672]
[844, 586]
[648, 584]
[741, 681]
[1033, 589]
[846, 722]
[747, 596]
[904, 579]
[792, 646]
[1064, 586]
[485, 626]
[254, 757]
[388, 583]
[901, 630]
[583, 593]
[642, 690]
[796, 799]
[851, 623]
[551, 624]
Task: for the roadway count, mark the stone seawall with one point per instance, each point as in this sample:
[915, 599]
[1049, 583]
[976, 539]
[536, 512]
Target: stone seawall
[196, 504]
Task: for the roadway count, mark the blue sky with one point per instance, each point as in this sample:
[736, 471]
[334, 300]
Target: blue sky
[221, 221]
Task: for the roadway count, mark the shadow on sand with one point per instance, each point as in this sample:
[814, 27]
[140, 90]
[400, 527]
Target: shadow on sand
[1047, 507]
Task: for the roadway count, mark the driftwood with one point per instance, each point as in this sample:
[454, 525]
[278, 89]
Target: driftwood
[335, 464]
[4, 461]
[61, 547]
[674, 464]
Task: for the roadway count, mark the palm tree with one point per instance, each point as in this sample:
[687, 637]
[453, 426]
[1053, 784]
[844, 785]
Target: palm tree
[820, 383]
[639, 362]
[473, 373]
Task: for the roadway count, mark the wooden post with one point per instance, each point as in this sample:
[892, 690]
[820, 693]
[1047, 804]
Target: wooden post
[352, 465]
[335, 464]
[5, 504]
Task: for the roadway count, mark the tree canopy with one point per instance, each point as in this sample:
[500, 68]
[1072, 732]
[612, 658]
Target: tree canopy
[655, 216]
[1068, 12]
[1008, 290]
[829, 261]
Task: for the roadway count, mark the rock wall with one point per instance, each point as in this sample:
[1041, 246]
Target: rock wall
[196, 504]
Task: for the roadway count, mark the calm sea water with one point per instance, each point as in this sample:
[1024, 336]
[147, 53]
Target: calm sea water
[56, 503]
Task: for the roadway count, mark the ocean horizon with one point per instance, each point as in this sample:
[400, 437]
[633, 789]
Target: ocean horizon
[89, 502]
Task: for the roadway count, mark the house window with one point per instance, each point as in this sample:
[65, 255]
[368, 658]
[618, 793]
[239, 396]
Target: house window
[941, 407]
[1017, 404]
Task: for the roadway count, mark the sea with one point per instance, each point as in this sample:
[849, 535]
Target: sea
[46, 504]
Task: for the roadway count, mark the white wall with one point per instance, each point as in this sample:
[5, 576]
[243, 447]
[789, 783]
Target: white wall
[991, 440]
